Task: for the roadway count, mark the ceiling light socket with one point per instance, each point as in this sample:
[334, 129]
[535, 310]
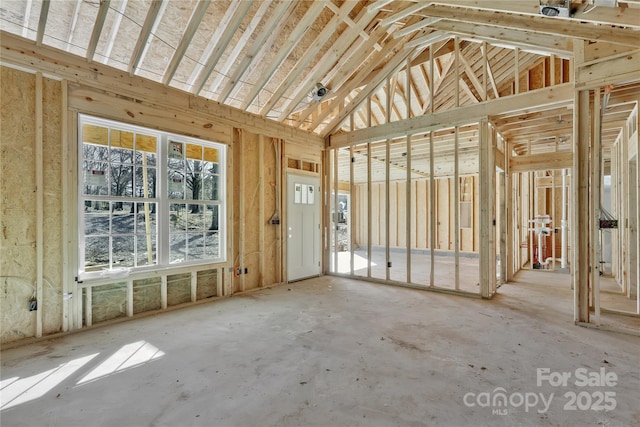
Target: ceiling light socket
[319, 91]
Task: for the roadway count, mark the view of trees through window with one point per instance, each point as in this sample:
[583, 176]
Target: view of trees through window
[147, 198]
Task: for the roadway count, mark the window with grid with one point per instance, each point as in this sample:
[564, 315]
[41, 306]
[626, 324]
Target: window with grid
[148, 199]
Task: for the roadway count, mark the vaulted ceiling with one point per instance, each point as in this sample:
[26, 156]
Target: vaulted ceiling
[266, 57]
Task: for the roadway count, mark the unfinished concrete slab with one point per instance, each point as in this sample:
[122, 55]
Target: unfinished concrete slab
[335, 352]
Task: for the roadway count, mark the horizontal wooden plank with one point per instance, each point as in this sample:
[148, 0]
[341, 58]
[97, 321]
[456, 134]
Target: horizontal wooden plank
[617, 69]
[24, 53]
[542, 43]
[458, 116]
[563, 27]
[548, 181]
[112, 106]
[541, 162]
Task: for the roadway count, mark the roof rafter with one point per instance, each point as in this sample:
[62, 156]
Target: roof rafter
[439, 76]
[257, 50]
[148, 28]
[42, 22]
[231, 21]
[97, 28]
[391, 67]
[111, 39]
[187, 36]
[392, 47]
[356, 53]
[74, 22]
[310, 54]
[283, 51]
[357, 56]
[244, 39]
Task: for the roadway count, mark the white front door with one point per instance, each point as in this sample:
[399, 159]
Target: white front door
[303, 226]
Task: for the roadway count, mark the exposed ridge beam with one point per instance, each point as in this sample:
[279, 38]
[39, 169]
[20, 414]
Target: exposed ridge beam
[256, 51]
[242, 42]
[150, 23]
[42, 22]
[284, 49]
[97, 29]
[309, 55]
[229, 27]
[538, 24]
[187, 36]
[549, 96]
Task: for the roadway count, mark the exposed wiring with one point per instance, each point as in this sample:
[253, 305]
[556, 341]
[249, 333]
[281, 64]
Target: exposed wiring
[275, 218]
[28, 284]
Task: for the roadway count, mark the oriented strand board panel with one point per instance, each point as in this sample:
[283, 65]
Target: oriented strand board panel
[17, 208]
[248, 193]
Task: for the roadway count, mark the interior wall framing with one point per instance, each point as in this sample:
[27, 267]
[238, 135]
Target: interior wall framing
[401, 218]
[39, 249]
[596, 71]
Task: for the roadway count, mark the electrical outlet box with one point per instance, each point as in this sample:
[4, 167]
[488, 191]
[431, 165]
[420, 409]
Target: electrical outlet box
[275, 222]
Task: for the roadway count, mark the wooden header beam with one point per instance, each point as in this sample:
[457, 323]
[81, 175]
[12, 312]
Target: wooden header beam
[544, 161]
[467, 114]
[25, 54]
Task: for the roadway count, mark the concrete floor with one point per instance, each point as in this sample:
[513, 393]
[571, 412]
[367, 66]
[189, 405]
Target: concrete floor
[332, 352]
[444, 271]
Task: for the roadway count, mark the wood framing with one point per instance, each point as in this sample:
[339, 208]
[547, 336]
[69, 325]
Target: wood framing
[462, 115]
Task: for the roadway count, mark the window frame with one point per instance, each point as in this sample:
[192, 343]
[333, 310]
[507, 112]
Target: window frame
[161, 198]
